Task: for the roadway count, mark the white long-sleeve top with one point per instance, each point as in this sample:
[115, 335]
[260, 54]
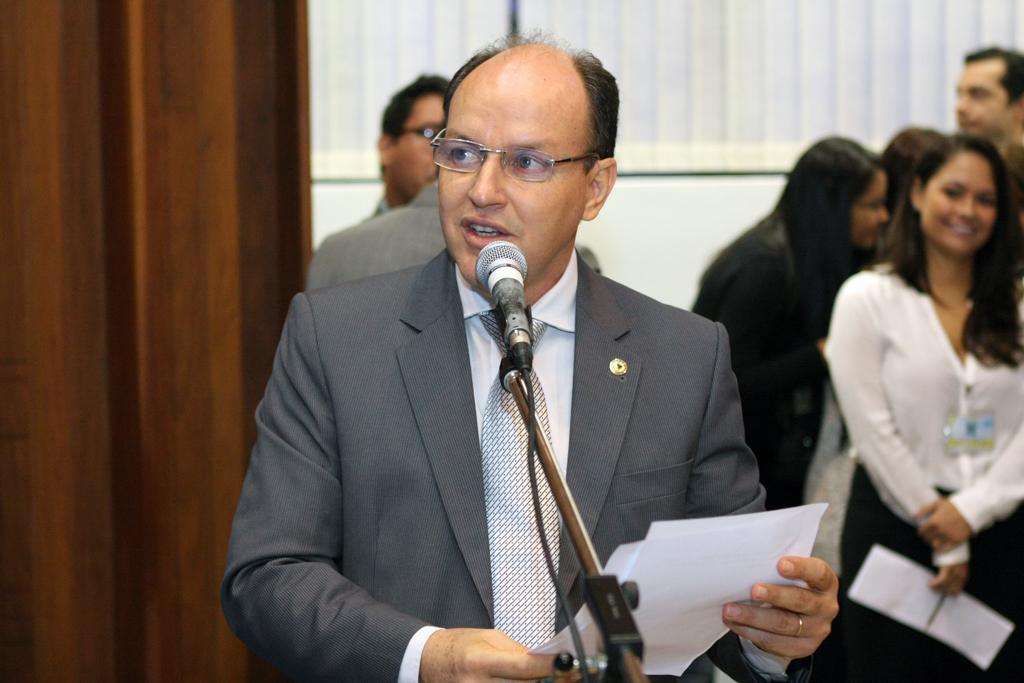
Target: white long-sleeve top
[899, 381]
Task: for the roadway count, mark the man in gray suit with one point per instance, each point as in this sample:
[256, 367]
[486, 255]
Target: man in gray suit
[400, 238]
[360, 546]
[410, 121]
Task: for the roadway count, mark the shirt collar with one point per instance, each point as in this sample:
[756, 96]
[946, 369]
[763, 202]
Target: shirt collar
[557, 307]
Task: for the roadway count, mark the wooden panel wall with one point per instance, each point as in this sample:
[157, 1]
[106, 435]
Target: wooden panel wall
[155, 222]
[57, 580]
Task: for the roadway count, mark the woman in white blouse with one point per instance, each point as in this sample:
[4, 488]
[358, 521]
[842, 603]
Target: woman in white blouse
[925, 353]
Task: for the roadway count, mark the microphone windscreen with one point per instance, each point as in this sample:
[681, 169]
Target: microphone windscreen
[495, 255]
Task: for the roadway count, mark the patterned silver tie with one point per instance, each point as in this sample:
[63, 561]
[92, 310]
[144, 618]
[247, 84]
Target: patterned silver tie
[524, 597]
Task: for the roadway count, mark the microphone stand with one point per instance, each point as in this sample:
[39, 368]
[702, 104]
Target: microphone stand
[621, 640]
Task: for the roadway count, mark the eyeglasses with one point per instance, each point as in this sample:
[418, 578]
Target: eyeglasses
[465, 156]
[429, 132]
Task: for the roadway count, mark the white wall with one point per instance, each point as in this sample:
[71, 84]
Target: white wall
[655, 234]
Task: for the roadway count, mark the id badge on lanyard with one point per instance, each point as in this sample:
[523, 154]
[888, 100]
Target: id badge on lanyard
[969, 432]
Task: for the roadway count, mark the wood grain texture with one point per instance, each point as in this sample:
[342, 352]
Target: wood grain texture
[16, 643]
[155, 225]
[57, 474]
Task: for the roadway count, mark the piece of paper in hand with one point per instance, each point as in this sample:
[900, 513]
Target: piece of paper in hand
[897, 587]
[688, 569]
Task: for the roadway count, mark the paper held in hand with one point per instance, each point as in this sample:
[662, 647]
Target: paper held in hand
[897, 587]
[688, 569]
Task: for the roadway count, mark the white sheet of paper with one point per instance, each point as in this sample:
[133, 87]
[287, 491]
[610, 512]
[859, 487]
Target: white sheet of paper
[688, 569]
[897, 587]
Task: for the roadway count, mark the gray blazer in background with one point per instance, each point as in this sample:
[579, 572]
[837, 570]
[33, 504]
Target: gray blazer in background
[362, 514]
[407, 236]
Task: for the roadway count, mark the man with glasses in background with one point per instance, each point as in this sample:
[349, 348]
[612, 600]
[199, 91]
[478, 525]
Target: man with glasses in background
[404, 230]
[412, 118]
[372, 539]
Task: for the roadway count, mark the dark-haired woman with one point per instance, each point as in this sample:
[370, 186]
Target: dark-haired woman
[773, 290]
[925, 355]
[900, 157]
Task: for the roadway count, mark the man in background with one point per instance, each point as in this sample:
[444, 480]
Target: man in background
[412, 118]
[400, 238]
[404, 230]
[988, 96]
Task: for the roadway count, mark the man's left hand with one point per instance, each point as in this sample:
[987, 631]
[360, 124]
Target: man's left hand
[790, 621]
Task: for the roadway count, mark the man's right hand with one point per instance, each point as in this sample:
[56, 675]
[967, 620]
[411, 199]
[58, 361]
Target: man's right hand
[467, 655]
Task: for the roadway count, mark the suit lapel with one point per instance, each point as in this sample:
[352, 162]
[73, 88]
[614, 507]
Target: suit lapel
[601, 405]
[435, 369]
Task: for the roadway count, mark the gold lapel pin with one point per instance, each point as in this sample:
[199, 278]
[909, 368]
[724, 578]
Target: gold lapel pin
[618, 367]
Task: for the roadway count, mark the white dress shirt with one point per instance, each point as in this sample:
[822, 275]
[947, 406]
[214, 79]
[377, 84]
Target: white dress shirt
[899, 382]
[553, 363]
[553, 360]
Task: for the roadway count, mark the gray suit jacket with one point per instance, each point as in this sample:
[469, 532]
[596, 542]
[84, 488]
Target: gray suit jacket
[400, 238]
[362, 514]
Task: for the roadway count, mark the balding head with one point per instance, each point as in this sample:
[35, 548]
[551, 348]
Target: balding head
[602, 92]
[519, 162]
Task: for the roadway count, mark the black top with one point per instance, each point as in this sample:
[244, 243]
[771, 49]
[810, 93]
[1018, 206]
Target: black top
[751, 289]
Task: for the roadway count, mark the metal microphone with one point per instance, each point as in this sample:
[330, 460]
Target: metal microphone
[501, 269]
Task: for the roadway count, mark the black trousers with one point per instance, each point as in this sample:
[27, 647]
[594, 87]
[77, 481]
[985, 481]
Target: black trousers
[880, 649]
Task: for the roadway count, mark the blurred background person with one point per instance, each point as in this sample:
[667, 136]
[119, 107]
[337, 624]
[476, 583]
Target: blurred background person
[900, 157]
[412, 118]
[403, 237]
[404, 230]
[1014, 157]
[988, 96]
[924, 350]
[773, 289]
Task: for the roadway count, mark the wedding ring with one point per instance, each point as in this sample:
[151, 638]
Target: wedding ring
[800, 628]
